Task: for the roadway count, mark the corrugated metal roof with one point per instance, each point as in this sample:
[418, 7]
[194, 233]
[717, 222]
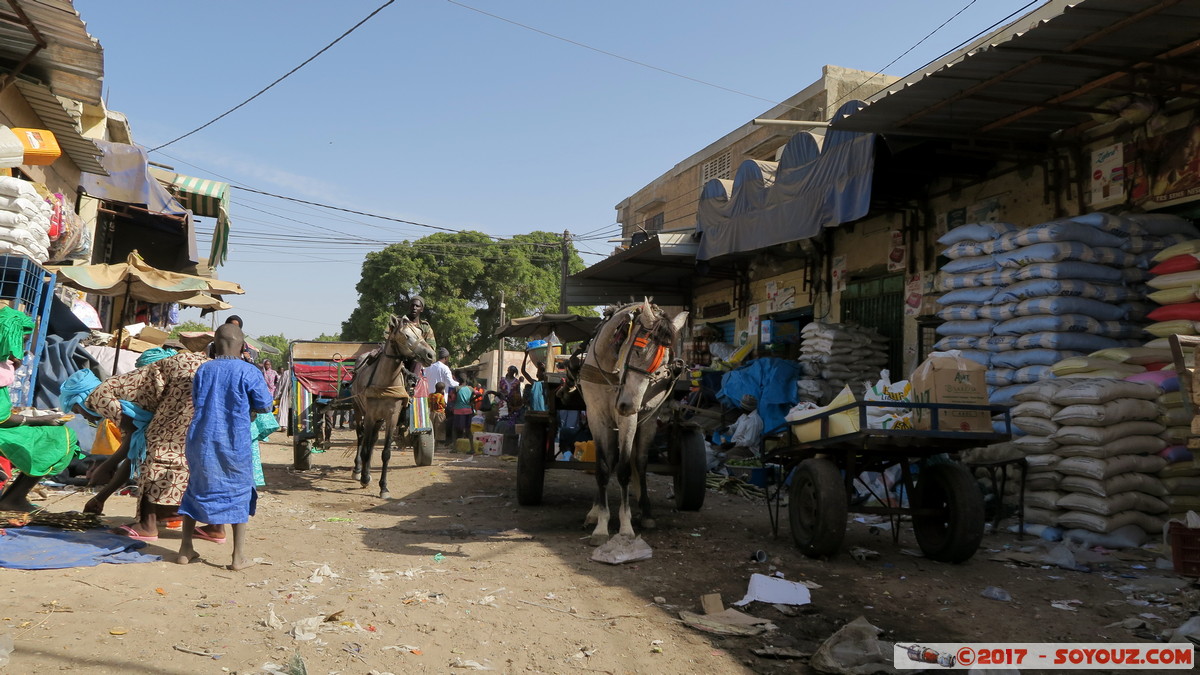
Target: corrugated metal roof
[1047, 71]
[662, 266]
[82, 151]
[72, 62]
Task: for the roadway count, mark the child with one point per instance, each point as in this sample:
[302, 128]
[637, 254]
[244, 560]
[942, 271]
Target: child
[437, 408]
[227, 393]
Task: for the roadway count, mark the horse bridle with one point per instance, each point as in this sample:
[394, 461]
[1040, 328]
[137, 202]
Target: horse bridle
[639, 338]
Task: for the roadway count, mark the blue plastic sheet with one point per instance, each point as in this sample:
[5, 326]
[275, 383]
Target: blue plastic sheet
[49, 548]
[771, 381]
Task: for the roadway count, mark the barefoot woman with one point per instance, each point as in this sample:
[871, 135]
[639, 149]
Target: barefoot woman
[38, 446]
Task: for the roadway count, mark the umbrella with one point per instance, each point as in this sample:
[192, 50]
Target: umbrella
[136, 279]
[205, 301]
[198, 340]
[568, 327]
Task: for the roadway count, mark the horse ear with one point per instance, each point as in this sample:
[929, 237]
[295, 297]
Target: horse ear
[679, 321]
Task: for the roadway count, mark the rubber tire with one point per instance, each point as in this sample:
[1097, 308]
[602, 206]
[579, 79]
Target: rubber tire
[531, 465]
[423, 448]
[690, 479]
[817, 507]
[954, 536]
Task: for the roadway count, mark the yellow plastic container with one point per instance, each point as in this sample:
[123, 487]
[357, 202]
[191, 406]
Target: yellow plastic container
[41, 147]
[585, 451]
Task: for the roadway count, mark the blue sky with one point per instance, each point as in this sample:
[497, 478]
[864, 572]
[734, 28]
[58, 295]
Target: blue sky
[435, 113]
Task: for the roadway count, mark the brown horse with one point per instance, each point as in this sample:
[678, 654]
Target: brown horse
[381, 387]
[626, 377]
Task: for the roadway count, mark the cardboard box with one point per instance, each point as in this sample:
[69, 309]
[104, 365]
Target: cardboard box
[153, 335]
[946, 377]
[132, 344]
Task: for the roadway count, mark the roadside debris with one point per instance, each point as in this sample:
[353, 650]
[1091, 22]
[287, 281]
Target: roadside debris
[622, 549]
[854, 649]
[728, 622]
[468, 664]
[773, 590]
[996, 593]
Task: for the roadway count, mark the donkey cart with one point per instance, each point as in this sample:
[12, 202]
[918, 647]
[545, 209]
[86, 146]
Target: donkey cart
[537, 451]
[320, 383]
[945, 503]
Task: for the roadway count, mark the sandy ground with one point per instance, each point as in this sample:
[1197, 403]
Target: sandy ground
[452, 572]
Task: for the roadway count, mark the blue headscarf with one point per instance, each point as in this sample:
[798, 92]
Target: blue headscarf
[76, 389]
[153, 354]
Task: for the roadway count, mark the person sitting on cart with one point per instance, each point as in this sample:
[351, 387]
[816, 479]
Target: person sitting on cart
[745, 436]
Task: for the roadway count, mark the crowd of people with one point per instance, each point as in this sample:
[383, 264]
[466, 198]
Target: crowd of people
[188, 424]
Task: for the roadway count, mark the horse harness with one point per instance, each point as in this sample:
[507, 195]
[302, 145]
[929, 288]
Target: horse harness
[629, 339]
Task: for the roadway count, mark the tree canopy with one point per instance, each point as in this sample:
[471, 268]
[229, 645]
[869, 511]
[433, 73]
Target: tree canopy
[460, 276]
[189, 327]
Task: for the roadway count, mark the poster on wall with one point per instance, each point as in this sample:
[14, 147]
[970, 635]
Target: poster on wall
[752, 327]
[915, 287]
[898, 256]
[838, 273]
[1164, 170]
[772, 295]
[1108, 176]
[986, 210]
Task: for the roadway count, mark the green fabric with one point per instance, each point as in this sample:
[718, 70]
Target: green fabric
[14, 328]
[36, 451]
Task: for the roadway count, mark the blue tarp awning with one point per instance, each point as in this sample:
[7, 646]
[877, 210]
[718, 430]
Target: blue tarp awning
[814, 186]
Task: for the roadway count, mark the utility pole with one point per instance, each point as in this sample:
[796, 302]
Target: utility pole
[562, 280]
[499, 349]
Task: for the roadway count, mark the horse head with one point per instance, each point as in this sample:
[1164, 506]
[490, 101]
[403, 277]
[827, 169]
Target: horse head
[405, 335]
[645, 354]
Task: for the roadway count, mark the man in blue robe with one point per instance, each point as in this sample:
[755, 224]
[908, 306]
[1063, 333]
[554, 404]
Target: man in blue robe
[227, 393]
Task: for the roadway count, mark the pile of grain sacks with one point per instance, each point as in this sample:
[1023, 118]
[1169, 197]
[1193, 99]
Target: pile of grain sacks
[24, 220]
[833, 355]
[1093, 458]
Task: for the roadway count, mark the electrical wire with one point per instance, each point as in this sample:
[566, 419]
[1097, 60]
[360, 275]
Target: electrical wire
[277, 81]
[618, 56]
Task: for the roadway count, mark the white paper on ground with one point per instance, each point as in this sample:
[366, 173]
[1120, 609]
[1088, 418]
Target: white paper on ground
[775, 591]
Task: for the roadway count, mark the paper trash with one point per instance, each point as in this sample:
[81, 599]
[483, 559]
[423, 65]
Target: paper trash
[622, 549]
[775, 591]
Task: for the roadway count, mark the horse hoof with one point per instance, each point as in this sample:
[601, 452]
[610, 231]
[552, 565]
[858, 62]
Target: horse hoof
[385, 495]
[599, 539]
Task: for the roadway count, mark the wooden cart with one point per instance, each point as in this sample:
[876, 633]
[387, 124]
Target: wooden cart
[945, 502]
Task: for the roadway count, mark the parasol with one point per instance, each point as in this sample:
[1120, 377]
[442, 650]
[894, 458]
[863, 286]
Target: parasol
[136, 279]
[205, 301]
[568, 327]
[197, 340]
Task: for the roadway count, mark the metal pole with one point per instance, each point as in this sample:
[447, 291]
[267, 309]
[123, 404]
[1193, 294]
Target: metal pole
[562, 280]
[499, 349]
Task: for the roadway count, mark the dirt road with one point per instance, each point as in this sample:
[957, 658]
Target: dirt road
[452, 573]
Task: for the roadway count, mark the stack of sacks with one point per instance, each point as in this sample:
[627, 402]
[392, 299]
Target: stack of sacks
[834, 355]
[24, 220]
[1035, 296]
[1108, 443]
[1034, 415]
[1175, 279]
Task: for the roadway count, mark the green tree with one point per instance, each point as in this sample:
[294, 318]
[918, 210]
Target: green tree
[461, 276]
[277, 341]
[190, 327]
[325, 337]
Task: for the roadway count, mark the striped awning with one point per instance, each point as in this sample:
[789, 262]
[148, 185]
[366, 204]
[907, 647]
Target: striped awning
[207, 198]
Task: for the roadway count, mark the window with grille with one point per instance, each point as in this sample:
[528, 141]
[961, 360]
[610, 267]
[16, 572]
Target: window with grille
[717, 167]
[879, 304]
[653, 223]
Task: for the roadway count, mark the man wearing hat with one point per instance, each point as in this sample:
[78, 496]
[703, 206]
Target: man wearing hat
[746, 433]
[439, 371]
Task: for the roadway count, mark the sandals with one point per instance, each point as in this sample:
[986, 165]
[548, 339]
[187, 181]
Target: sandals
[128, 531]
[201, 534]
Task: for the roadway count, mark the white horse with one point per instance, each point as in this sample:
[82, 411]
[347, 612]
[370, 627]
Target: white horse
[626, 377]
[381, 386]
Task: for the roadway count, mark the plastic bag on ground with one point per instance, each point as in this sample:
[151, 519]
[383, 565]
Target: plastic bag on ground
[854, 649]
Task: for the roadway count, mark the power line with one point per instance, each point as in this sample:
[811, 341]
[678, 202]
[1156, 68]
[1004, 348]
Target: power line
[919, 43]
[280, 79]
[618, 56]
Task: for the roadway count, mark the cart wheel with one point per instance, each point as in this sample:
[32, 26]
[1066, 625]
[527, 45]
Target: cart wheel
[690, 483]
[955, 533]
[423, 448]
[817, 508]
[531, 465]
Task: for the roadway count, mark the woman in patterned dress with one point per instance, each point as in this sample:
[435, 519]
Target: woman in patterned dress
[163, 388]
